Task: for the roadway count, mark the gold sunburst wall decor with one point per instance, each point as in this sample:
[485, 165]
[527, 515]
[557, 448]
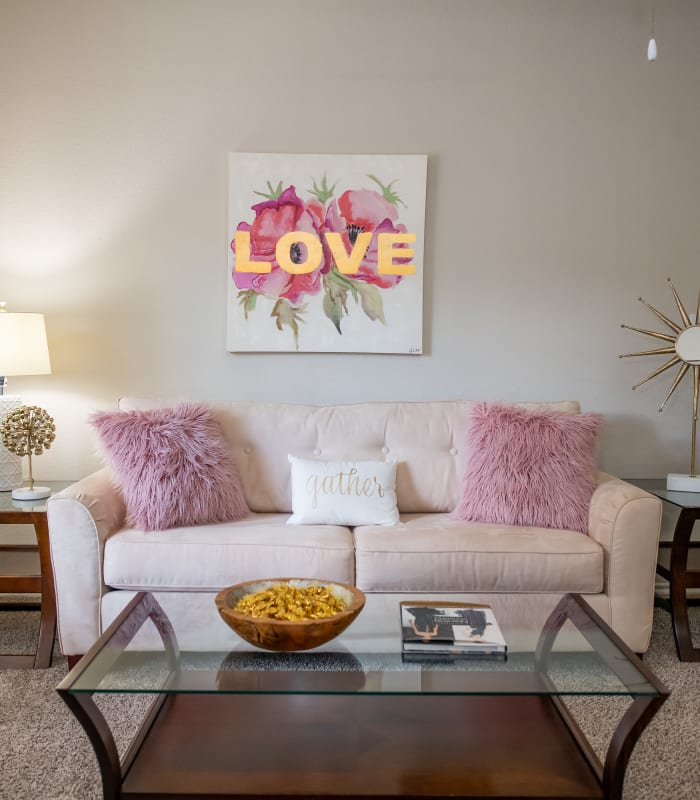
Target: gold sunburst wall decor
[683, 347]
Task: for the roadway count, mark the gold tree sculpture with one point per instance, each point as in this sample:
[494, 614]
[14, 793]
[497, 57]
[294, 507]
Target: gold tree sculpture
[28, 431]
[684, 348]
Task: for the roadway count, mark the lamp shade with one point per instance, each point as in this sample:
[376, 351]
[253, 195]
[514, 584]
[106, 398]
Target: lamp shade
[23, 346]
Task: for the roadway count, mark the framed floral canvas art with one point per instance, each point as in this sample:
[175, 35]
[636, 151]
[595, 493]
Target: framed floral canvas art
[325, 253]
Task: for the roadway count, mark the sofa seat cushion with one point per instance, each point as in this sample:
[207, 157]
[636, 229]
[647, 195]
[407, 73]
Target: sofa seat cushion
[209, 557]
[434, 553]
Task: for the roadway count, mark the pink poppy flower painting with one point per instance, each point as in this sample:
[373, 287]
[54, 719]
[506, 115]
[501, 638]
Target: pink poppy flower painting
[325, 253]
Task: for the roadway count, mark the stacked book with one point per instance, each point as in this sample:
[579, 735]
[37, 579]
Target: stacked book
[439, 629]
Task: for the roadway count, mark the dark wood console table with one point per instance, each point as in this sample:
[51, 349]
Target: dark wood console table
[676, 571]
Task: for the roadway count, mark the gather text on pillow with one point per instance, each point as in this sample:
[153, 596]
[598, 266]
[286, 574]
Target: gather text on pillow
[342, 483]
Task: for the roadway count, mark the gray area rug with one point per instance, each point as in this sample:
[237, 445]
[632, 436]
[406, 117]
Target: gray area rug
[44, 752]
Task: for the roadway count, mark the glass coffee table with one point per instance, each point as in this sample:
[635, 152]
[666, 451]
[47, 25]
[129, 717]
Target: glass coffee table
[352, 719]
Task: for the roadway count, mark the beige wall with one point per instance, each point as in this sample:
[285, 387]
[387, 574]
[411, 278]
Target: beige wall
[563, 182]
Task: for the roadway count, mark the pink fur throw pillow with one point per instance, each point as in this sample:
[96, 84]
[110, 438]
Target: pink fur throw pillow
[172, 465]
[533, 468]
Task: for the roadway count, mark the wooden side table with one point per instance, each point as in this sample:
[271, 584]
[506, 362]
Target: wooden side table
[678, 575]
[26, 568]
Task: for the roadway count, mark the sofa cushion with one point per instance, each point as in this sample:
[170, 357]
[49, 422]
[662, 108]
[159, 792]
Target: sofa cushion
[343, 492]
[529, 467]
[210, 557]
[435, 553]
[173, 466]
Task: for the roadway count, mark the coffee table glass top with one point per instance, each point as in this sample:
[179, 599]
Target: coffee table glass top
[556, 646]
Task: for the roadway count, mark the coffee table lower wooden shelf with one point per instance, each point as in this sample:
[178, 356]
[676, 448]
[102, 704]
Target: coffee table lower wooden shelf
[359, 746]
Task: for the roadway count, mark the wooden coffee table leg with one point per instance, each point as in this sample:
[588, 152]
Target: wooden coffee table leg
[638, 715]
[47, 623]
[679, 586]
[94, 724]
[630, 728]
[142, 607]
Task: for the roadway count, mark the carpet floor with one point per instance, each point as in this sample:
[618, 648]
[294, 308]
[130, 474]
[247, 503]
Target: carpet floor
[44, 752]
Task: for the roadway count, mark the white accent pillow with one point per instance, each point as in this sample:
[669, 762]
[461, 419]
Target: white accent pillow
[343, 492]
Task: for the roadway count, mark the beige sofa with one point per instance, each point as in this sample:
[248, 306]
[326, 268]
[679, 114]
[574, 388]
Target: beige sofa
[99, 563]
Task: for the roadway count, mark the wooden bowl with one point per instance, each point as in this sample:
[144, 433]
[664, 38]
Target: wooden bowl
[287, 635]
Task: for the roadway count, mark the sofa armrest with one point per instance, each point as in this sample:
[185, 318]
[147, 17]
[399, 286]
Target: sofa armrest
[626, 522]
[81, 518]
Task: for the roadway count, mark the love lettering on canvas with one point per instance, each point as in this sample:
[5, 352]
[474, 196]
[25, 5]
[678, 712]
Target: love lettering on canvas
[325, 253]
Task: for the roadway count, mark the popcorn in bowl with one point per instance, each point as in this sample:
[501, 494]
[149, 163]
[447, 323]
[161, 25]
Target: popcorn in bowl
[288, 614]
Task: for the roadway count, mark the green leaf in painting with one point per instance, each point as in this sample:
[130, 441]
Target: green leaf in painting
[322, 193]
[344, 281]
[387, 192]
[272, 193]
[371, 301]
[333, 309]
[248, 299]
[287, 314]
[335, 299]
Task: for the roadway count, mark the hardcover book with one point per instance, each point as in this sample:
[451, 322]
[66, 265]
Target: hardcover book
[450, 628]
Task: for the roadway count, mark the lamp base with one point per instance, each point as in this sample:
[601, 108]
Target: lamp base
[10, 464]
[36, 493]
[682, 483]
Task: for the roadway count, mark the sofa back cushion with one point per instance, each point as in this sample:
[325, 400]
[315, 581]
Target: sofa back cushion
[426, 438]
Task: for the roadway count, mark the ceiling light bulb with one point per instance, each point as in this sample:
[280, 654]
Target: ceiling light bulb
[651, 50]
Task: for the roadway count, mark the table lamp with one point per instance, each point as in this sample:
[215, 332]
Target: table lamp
[23, 351]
